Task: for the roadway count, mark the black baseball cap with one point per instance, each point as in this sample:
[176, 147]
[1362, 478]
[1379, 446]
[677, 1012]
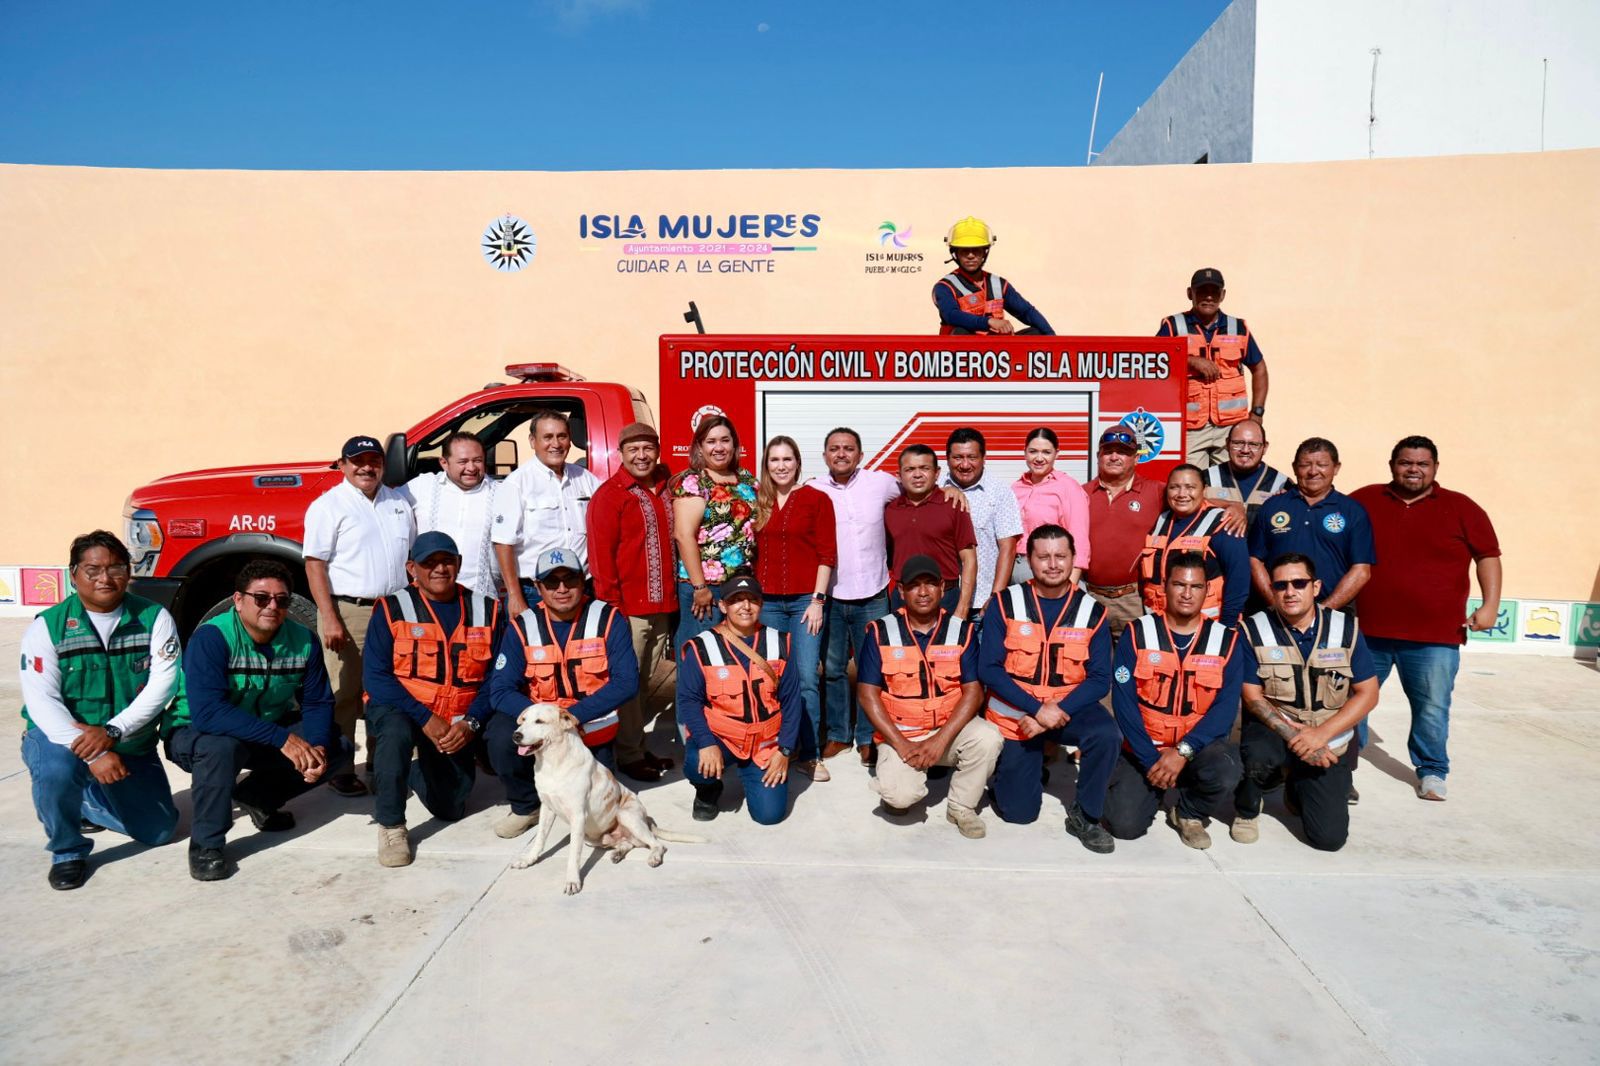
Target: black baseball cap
[1206, 276]
[920, 566]
[360, 446]
[741, 585]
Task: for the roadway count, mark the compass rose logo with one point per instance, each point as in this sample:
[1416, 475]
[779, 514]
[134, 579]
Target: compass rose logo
[509, 244]
[1147, 430]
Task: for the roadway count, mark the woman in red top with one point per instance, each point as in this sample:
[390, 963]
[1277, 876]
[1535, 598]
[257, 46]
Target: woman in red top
[795, 555]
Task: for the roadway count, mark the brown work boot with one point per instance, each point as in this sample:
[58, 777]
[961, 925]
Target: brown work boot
[868, 753]
[512, 824]
[965, 819]
[834, 747]
[394, 847]
[815, 769]
[1244, 830]
[1191, 830]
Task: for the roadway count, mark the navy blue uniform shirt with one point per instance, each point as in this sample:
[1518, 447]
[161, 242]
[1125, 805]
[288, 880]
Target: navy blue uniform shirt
[377, 664]
[992, 661]
[692, 695]
[869, 660]
[205, 684]
[1252, 353]
[950, 313]
[1335, 533]
[1214, 725]
[508, 687]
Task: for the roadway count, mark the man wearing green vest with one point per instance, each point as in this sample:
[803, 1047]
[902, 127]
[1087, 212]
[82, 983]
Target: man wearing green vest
[97, 671]
[256, 697]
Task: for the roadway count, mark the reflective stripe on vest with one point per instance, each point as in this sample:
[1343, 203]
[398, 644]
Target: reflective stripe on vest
[564, 675]
[1169, 709]
[1044, 665]
[268, 688]
[920, 688]
[98, 681]
[444, 672]
[1226, 400]
[742, 708]
[1196, 537]
[1223, 487]
[973, 301]
[1309, 693]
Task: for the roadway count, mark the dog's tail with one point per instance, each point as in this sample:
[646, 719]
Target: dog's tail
[672, 837]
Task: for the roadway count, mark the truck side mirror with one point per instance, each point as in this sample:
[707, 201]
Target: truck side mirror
[505, 458]
[396, 461]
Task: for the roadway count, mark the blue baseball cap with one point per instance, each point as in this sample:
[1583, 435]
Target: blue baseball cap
[553, 559]
[432, 543]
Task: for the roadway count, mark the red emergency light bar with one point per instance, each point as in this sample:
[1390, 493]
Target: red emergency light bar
[542, 372]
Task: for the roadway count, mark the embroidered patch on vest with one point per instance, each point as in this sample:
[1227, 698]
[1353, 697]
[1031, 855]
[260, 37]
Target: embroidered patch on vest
[1333, 523]
[500, 662]
[1280, 520]
[417, 631]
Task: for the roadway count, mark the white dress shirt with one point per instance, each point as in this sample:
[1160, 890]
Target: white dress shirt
[41, 677]
[364, 542]
[537, 509]
[468, 517]
[995, 515]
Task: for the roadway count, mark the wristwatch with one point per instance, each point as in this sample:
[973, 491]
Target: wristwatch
[787, 753]
[1186, 750]
[819, 597]
[1258, 411]
[113, 731]
[471, 722]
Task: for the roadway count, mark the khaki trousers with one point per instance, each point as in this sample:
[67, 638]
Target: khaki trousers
[344, 667]
[973, 753]
[1120, 610]
[1206, 446]
[651, 635]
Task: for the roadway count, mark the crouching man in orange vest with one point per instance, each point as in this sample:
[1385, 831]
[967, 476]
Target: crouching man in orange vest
[425, 669]
[738, 705]
[566, 649]
[917, 679]
[1045, 658]
[1175, 692]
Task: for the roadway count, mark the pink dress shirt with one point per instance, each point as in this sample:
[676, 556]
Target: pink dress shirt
[1059, 499]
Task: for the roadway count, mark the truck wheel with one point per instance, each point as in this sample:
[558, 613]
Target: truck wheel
[301, 609]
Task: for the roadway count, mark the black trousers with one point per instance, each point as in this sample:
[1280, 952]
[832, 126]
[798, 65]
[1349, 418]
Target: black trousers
[1322, 793]
[442, 782]
[1132, 802]
[516, 771]
[214, 761]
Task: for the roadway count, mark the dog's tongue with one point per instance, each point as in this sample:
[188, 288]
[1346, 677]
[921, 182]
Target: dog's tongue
[524, 750]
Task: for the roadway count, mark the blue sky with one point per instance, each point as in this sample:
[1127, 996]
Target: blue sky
[576, 84]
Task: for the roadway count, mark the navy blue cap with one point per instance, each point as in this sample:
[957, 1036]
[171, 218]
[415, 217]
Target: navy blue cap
[360, 446]
[432, 543]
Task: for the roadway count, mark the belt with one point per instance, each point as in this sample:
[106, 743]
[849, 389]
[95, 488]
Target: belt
[359, 601]
[1111, 592]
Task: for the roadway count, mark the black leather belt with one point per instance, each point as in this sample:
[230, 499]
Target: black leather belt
[359, 601]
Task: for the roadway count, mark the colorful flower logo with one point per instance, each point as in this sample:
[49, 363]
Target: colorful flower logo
[890, 234]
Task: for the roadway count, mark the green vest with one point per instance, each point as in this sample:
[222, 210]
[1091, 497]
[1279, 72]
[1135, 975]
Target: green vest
[267, 688]
[97, 680]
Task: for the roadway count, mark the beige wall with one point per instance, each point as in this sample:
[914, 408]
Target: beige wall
[157, 321]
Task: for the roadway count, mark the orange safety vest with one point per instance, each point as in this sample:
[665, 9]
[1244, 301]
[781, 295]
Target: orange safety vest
[1226, 400]
[975, 301]
[920, 688]
[564, 675]
[1170, 709]
[1196, 537]
[1046, 665]
[444, 671]
[742, 707]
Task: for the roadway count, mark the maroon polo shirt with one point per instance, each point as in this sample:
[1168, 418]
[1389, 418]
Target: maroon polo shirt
[933, 527]
[1118, 528]
[1419, 585]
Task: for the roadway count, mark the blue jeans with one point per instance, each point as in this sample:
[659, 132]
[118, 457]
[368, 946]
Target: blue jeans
[767, 804]
[787, 613]
[689, 626]
[846, 629]
[65, 792]
[1428, 675]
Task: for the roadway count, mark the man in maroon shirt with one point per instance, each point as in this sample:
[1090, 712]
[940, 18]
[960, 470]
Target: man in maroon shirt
[1414, 608]
[1123, 508]
[630, 557]
[921, 521]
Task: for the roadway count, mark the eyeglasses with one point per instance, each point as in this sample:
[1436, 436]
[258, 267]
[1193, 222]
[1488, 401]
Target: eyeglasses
[1247, 445]
[1295, 583]
[264, 599]
[570, 581]
[116, 572]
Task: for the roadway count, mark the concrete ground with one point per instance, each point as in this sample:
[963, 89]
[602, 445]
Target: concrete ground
[1461, 932]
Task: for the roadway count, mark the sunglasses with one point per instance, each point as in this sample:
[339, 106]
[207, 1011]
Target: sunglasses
[567, 581]
[1295, 583]
[263, 599]
[1119, 437]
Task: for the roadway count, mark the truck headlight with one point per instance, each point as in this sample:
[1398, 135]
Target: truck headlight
[144, 539]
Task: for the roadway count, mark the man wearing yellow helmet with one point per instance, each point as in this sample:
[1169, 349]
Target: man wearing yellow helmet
[970, 299]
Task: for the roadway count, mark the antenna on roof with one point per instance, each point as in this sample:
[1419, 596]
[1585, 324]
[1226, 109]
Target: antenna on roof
[1093, 118]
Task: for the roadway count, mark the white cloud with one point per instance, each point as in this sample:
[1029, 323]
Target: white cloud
[574, 14]
[762, 27]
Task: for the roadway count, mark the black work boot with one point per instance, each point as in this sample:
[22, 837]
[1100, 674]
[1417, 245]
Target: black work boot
[1091, 834]
[705, 800]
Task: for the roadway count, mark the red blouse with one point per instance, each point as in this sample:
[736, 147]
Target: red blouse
[798, 537]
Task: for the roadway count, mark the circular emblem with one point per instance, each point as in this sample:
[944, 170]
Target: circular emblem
[500, 663]
[722, 674]
[1280, 520]
[1148, 431]
[1333, 523]
[508, 244]
[1276, 655]
[899, 653]
[704, 412]
[1155, 657]
[1025, 630]
[1123, 675]
[1135, 505]
[72, 623]
[538, 655]
[417, 631]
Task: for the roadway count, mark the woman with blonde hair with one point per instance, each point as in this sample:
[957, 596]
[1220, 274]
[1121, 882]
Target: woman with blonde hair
[796, 552]
[1047, 496]
[713, 523]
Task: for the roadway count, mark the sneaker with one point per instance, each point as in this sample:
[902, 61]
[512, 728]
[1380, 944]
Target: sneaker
[513, 824]
[1245, 830]
[394, 847]
[1093, 835]
[1191, 830]
[1431, 788]
[65, 876]
[208, 864]
[268, 821]
[1354, 797]
[815, 769]
[705, 801]
[965, 819]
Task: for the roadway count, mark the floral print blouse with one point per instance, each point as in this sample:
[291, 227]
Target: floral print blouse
[727, 529]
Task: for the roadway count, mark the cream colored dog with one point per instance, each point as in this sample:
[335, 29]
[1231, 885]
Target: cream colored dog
[595, 806]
